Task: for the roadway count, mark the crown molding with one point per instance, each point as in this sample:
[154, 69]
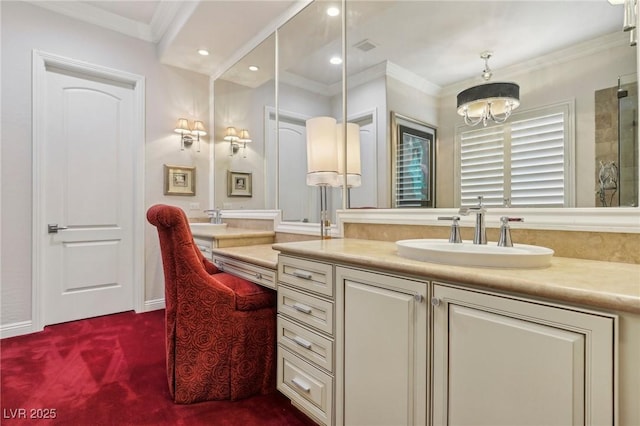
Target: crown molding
[165, 14]
[412, 79]
[556, 57]
[96, 16]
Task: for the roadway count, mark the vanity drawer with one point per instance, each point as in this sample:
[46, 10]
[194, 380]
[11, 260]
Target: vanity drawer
[205, 245]
[257, 274]
[310, 345]
[309, 310]
[306, 386]
[311, 276]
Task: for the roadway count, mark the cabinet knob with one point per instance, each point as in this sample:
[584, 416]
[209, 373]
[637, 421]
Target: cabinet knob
[418, 297]
[435, 301]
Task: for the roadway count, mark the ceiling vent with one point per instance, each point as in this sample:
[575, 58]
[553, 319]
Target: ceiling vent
[365, 45]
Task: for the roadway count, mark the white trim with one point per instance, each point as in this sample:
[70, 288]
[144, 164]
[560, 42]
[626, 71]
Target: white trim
[591, 219]
[40, 61]
[96, 16]
[306, 228]
[16, 329]
[557, 57]
[251, 214]
[154, 305]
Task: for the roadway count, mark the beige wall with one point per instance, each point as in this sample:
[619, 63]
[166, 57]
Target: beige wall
[605, 246]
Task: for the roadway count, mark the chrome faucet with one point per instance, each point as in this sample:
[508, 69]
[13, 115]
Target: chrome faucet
[505, 231]
[454, 235]
[215, 216]
[480, 234]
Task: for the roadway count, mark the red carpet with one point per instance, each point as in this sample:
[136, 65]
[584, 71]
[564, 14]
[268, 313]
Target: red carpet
[111, 371]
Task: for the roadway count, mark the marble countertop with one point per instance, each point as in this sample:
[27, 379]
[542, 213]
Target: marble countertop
[261, 254]
[591, 283]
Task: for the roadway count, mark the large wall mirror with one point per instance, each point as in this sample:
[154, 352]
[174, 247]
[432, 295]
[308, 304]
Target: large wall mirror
[243, 96]
[309, 86]
[411, 58]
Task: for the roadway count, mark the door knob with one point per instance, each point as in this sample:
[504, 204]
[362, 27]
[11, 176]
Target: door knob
[53, 228]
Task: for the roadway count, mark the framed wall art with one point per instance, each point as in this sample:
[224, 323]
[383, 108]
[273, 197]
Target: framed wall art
[413, 162]
[179, 180]
[239, 184]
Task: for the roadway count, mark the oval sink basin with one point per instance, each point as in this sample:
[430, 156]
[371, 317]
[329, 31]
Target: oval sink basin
[469, 254]
[207, 226]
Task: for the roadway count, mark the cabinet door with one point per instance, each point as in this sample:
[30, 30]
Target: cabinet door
[385, 349]
[503, 361]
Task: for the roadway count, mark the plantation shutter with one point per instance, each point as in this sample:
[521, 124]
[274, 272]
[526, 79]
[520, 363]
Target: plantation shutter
[482, 166]
[520, 163]
[537, 161]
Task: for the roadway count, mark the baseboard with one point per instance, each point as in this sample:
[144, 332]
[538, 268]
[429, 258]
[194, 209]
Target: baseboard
[26, 327]
[16, 329]
[153, 305]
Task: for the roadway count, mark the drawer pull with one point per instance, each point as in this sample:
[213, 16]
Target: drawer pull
[302, 308]
[302, 274]
[301, 385]
[258, 276]
[204, 249]
[302, 342]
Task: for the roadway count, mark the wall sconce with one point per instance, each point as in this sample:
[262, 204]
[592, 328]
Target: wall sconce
[235, 139]
[185, 131]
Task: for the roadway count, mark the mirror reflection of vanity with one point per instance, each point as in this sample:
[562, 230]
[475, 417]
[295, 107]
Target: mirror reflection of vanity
[407, 57]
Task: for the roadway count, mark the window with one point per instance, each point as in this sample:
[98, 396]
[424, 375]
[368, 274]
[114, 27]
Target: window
[524, 162]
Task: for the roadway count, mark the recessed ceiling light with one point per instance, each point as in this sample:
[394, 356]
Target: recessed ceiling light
[336, 60]
[203, 52]
[333, 11]
[253, 68]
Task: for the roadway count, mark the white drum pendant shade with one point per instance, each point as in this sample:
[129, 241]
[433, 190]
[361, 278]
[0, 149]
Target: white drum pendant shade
[354, 171]
[322, 151]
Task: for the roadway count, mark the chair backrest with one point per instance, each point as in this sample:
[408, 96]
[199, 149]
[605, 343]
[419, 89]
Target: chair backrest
[176, 244]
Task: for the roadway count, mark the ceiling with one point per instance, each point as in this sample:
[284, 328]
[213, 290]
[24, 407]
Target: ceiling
[440, 41]
[226, 28]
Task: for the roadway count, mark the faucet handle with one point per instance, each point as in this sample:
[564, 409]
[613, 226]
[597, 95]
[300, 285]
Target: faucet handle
[505, 230]
[454, 236]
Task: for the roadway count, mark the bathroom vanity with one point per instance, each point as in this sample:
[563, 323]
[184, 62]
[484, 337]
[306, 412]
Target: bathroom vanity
[368, 337]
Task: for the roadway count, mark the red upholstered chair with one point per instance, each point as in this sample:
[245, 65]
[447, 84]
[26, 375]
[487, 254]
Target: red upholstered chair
[221, 330]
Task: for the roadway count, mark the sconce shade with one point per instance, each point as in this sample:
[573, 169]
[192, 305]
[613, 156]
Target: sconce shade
[244, 136]
[231, 134]
[322, 152]
[354, 172]
[182, 127]
[198, 128]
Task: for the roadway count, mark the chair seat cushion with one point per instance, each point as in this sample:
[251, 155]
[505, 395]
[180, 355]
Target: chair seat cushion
[249, 296]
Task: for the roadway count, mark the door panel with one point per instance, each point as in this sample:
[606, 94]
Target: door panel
[89, 174]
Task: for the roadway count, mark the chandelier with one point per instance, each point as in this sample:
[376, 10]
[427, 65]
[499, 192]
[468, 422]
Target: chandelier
[488, 101]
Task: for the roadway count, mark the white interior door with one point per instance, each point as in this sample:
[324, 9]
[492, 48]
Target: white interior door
[88, 192]
[298, 202]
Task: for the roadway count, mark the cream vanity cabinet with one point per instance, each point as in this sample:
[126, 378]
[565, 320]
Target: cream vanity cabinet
[306, 336]
[499, 360]
[352, 344]
[383, 342]
[247, 270]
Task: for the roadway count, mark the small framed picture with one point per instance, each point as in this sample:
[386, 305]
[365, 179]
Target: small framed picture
[179, 180]
[239, 184]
